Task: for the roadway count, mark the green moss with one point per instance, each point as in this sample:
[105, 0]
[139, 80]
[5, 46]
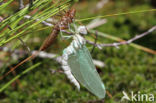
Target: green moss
[125, 68]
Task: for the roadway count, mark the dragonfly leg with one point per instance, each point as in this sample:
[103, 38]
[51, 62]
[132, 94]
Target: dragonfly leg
[70, 29]
[63, 36]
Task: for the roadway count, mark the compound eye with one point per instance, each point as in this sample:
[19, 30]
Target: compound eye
[82, 30]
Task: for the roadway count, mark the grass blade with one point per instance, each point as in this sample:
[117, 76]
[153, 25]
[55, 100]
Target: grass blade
[19, 75]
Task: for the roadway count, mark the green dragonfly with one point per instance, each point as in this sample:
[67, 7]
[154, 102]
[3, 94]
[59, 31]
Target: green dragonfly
[79, 68]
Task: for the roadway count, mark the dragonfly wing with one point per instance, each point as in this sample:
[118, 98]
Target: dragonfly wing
[96, 82]
[83, 69]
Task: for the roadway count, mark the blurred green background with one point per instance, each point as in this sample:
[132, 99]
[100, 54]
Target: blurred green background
[126, 68]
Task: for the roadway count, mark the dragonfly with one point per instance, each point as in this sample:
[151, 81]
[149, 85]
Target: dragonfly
[78, 65]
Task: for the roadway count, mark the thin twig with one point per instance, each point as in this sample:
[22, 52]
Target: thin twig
[116, 44]
[44, 55]
[23, 43]
[43, 22]
[94, 42]
[109, 94]
[17, 81]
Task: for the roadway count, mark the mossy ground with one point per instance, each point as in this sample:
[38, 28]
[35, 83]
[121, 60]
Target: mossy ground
[126, 68]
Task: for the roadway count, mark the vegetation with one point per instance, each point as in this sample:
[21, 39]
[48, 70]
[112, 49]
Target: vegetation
[129, 68]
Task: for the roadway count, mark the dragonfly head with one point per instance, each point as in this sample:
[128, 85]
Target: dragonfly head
[82, 30]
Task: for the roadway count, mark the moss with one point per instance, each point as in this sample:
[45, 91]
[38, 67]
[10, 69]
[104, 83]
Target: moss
[125, 68]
